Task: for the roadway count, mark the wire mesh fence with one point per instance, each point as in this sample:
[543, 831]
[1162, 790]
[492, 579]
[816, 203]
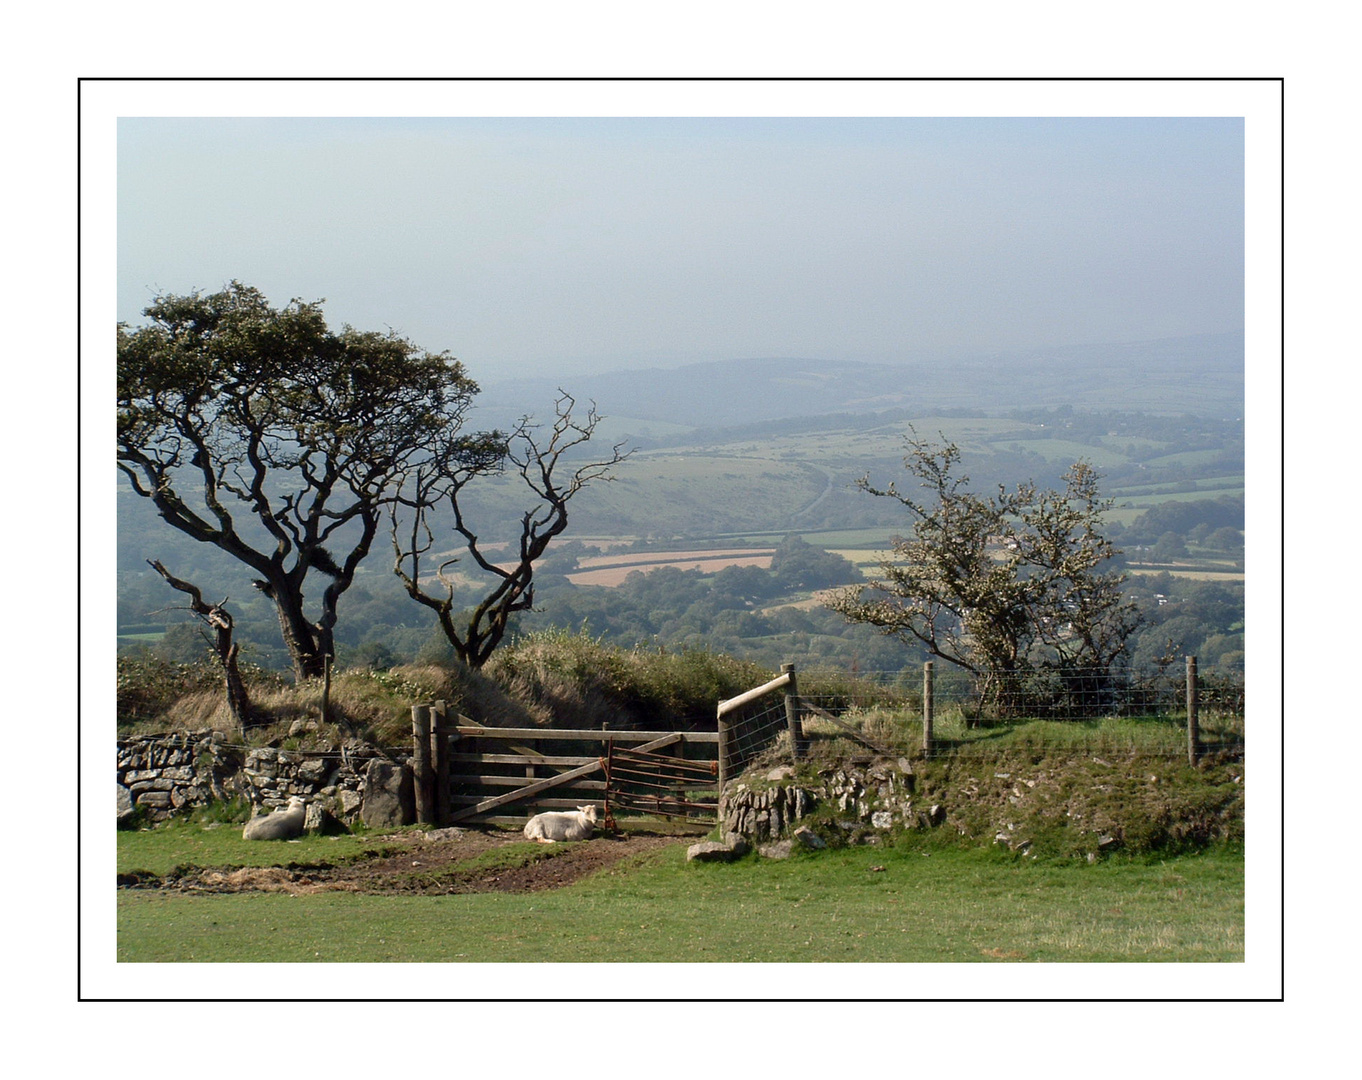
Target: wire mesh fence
[759, 731]
[1170, 712]
[1036, 694]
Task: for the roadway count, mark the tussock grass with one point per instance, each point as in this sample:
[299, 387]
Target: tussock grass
[375, 705]
[545, 679]
[578, 681]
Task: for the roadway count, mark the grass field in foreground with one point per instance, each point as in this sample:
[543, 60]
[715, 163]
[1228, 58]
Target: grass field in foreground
[868, 904]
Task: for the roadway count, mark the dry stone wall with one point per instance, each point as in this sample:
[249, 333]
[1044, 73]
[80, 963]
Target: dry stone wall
[856, 800]
[165, 775]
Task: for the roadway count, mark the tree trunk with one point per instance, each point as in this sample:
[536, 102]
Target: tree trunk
[300, 636]
[238, 702]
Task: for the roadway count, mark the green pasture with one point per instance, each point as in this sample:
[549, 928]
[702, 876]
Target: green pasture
[963, 430]
[902, 904]
[177, 843]
[1156, 736]
[855, 443]
[612, 429]
[837, 540]
[1187, 458]
[1208, 487]
[1063, 452]
[695, 494]
[1129, 509]
[1127, 443]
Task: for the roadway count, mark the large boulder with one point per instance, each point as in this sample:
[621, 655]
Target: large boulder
[125, 807]
[389, 795]
[320, 820]
[726, 850]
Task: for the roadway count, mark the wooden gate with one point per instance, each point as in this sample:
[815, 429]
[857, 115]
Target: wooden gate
[503, 775]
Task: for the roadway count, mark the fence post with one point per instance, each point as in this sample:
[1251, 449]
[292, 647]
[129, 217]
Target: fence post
[723, 753]
[1193, 720]
[798, 747]
[439, 752]
[928, 707]
[420, 737]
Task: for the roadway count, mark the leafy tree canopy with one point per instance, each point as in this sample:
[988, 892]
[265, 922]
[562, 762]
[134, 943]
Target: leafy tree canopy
[261, 431]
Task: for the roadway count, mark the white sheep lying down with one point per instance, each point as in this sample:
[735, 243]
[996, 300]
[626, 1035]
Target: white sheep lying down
[550, 828]
[285, 824]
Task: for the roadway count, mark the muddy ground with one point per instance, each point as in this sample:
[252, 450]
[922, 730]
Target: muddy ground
[441, 862]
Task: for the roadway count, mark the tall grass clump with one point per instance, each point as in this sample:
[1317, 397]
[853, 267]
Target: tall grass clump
[576, 680]
[155, 694]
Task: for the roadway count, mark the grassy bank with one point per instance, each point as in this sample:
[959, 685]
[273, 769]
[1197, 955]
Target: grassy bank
[547, 678]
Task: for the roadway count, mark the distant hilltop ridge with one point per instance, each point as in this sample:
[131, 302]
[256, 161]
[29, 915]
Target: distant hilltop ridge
[1201, 374]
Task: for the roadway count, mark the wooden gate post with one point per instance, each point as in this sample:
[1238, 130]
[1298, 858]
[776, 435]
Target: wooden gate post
[439, 752]
[799, 748]
[325, 707]
[420, 737]
[928, 707]
[723, 751]
[1193, 720]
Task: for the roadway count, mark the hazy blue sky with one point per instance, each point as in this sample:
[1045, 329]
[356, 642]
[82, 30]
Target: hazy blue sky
[527, 246]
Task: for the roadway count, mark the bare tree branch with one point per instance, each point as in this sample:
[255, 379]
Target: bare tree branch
[217, 617]
[539, 456]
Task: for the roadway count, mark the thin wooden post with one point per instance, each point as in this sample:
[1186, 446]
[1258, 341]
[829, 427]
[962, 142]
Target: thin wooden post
[420, 737]
[439, 752]
[326, 688]
[928, 707]
[1193, 720]
[799, 748]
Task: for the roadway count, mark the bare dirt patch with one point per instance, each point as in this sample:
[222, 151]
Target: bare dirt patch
[441, 862]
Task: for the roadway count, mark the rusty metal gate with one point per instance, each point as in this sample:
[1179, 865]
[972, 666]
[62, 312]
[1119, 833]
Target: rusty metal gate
[665, 784]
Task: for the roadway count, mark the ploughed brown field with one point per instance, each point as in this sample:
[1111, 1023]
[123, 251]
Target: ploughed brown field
[613, 569]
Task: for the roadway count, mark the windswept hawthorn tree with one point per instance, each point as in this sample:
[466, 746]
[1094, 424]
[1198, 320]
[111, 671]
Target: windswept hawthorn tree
[266, 434]
[1004, 586]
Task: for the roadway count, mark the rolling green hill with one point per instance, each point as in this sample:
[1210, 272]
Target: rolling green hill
[1202, 375]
